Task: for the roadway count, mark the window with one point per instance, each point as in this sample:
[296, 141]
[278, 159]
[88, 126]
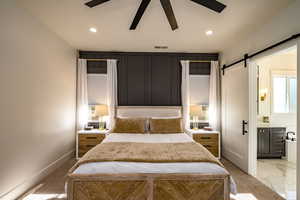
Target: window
[284, 94]
[96, 84]
[199, 89]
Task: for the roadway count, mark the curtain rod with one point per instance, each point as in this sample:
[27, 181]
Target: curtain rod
[200, 61]
[192, 61]
[98, 59]
[247, 56]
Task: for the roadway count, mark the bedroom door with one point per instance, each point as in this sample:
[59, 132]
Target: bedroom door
[235, 115]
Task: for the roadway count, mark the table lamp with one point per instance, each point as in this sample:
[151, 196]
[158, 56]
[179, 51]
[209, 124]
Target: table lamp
[195, 112]
[100, 112]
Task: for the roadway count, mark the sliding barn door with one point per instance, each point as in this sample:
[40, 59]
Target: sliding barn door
[235, 115]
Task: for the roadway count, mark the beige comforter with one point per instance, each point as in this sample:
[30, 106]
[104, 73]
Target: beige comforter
[148, 186]
[148, 152]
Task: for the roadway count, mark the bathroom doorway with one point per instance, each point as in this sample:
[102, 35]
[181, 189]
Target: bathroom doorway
[277, 121]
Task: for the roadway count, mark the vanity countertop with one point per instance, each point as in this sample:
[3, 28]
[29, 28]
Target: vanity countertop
[266, 125]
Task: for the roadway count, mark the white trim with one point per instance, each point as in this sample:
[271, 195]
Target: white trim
[252, 130]
[298, 118]
[28, 183]
[97, 75]
[198, 75]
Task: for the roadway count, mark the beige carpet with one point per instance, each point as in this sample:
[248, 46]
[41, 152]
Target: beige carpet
[249, 188]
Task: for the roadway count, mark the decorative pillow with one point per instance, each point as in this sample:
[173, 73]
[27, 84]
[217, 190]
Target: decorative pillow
[166, 125]
[129, 125]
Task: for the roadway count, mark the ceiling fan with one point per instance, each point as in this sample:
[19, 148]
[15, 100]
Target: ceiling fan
[166, 4]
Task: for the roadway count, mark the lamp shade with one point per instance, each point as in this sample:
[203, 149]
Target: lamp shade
[200, 111]
[101, 110]
[196, 110]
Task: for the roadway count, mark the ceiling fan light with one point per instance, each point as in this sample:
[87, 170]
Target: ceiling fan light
[209, 32]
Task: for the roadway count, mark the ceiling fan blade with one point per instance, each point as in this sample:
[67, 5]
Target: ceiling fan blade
[94, 3]
[139, 14]
[211, 4]
[166, 4]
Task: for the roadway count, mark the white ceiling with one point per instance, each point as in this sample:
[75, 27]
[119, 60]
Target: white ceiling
[71, 20]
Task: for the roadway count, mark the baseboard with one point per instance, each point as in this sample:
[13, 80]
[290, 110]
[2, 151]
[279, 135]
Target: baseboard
[232, 157]
[21, 188]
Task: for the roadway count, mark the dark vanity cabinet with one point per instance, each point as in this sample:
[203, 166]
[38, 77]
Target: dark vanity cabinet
[271, 142]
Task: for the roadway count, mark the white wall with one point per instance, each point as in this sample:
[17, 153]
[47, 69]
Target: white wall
[280, 27]
[37, 102]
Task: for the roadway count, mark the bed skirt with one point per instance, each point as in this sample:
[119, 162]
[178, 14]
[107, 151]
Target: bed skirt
[148, 187]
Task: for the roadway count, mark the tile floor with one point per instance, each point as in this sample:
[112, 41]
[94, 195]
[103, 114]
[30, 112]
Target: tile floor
[279, 175]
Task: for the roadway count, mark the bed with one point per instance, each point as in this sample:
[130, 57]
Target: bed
[172, 178]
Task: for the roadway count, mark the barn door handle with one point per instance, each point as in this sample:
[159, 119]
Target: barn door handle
[244, 127]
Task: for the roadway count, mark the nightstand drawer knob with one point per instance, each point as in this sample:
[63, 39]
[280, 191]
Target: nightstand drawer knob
[91, 137]
[206, 138]
[207, 146]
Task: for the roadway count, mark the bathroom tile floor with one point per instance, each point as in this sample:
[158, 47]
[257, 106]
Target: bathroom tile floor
[279, 175]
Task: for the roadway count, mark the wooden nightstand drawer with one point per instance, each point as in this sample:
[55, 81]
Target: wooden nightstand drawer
[91, 138]
[88, 141]
[206, 137]
[210, 141]
[210, 145]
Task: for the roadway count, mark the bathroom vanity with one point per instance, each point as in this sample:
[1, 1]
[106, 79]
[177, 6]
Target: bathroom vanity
[271, 142]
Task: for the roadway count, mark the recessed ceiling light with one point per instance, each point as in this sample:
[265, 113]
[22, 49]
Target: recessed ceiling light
[93, 30]
[209, 32]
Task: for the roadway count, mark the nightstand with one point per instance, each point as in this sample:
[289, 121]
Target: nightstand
[86, 140]
[209, 139]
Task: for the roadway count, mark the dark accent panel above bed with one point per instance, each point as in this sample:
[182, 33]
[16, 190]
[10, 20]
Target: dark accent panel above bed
[161, 77]
[137, 80]
[165, 81]
[149, 79]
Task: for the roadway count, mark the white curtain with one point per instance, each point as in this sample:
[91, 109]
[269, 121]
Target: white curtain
[185, 93]
[112, 91]
[82, 95]
[214, 96]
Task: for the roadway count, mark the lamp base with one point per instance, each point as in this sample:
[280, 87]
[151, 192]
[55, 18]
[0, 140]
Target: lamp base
[101, 126]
